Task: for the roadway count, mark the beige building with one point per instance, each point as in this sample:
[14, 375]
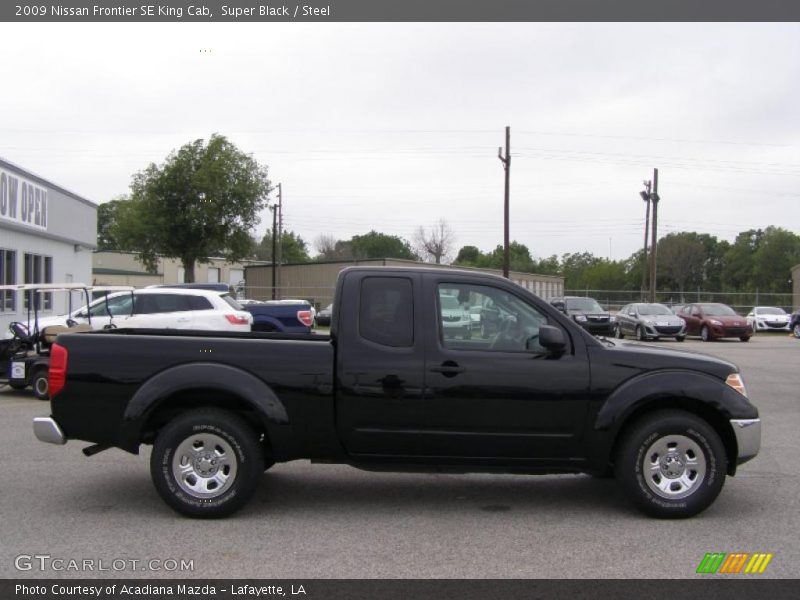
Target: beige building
[316, 281]
[796, 287]
[122, 268]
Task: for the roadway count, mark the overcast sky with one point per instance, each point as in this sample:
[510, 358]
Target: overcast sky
[392, 126]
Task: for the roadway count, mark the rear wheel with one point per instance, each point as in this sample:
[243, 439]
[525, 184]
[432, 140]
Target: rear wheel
[207, 463]
[672, 464]
[40, 384]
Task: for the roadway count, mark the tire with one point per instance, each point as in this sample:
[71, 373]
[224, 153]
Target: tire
[688, 464]
[183, 467]
[680, 338]
[618, 332]
[796, 330]
[484, 330]
[40, 384]
[639, 333]
[744, 338]
[705, 334]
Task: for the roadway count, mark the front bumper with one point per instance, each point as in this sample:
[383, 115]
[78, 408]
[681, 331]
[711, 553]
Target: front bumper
[47, 430]
[748, 438]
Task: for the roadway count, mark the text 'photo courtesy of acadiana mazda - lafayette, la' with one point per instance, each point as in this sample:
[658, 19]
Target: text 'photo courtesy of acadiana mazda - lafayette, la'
[394, 388]
[646, 321]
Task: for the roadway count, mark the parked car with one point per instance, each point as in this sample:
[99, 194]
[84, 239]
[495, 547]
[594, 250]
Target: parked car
[281, 316]
[794, 323]
[648, 321]
[456, 320]
[387, 391]
[160, 308]
[768, 318]
[324, 316]
[587, 313]
[712, 320]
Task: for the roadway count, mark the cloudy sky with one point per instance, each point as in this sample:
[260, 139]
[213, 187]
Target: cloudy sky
[393, 126]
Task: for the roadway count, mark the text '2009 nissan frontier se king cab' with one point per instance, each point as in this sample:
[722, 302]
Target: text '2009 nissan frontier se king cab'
[393, 387]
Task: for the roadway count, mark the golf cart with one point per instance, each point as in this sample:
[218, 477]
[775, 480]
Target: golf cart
[25, 355]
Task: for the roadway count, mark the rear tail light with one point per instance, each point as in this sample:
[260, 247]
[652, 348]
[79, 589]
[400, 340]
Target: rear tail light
[58, 369]
[304, 316]
[237, 320]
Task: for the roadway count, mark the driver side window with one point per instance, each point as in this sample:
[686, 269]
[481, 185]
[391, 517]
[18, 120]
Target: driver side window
[477, 317]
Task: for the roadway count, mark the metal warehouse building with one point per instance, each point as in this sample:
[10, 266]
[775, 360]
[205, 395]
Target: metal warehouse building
[47, 235]
[316, 281]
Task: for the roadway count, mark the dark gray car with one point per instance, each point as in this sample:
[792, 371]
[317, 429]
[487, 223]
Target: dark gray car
[646, 321]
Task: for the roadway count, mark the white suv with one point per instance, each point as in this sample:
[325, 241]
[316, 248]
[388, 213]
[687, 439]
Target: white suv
[161, 308]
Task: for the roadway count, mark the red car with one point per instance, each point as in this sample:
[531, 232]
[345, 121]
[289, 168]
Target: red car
[711, 320]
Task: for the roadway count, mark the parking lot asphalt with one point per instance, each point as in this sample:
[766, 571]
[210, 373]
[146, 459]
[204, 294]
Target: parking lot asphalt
[332, 521]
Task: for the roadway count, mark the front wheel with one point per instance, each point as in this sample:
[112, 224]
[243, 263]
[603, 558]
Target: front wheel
[206, 463]
[680, 338]
[744, 338]
[618, 332]
[639, 333]
[672, 464]
[705, 334]
[796, 330]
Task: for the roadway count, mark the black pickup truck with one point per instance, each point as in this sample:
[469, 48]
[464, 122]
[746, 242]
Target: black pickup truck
[393, 388]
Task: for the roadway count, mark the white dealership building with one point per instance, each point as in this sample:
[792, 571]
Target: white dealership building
[47, 235]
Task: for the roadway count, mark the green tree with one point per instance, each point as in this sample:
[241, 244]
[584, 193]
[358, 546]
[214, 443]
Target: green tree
[107, 215]
[574, 267]
[738, 271]
[681, 260]
[380, 245]
[468, 256]
[293, 249]
[777, 253]
[202, 201]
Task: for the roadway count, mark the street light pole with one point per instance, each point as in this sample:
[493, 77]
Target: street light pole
[654, 240]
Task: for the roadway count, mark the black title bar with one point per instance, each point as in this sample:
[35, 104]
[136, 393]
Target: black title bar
[400, 10]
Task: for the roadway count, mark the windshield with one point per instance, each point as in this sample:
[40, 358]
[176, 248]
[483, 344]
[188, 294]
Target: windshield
[768, 310]
[654, 309]
[718, 310]
[233, 303]
[584, 304]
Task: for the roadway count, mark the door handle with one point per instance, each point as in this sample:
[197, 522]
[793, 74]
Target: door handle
[448, 368]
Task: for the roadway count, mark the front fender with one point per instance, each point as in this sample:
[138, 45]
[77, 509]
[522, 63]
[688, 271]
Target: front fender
[674, 384]
[206, 376]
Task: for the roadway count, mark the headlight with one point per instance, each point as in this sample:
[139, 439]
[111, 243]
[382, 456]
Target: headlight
[736, 382]
[683, 322]
[715, 322]
[580, 318]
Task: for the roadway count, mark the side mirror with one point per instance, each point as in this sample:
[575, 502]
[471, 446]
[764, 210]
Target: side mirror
[552, 338]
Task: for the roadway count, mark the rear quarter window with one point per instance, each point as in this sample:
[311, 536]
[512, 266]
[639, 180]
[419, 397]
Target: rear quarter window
[386, 311]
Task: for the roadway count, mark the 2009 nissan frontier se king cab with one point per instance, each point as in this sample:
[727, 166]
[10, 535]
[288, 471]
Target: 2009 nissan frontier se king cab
[394, 388]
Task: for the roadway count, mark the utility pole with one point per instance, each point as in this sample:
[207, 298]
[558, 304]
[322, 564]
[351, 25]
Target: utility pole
[274, 209]
[280, 235]
[654, 240]
[646, 197]
[506, 160]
